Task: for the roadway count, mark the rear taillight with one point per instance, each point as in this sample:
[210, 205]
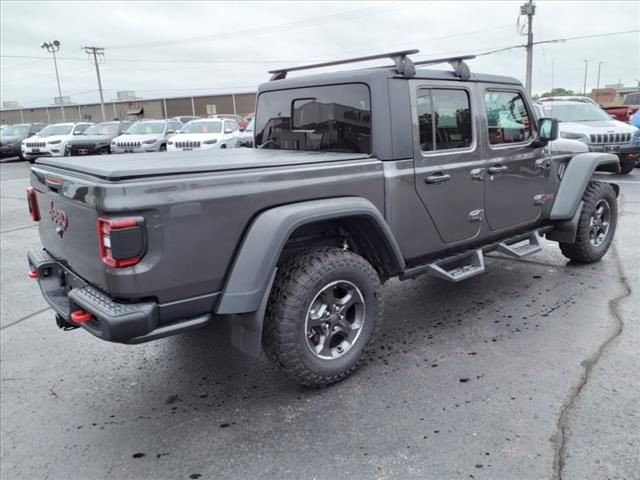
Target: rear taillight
[121, 241]
[32, 201]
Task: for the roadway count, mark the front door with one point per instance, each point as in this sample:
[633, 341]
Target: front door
[517, 170]
[447, 160]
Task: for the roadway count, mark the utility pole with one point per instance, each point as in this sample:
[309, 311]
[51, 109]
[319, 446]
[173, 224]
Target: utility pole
[529, 9]
[598, 84]
[53, 47]
[553, 64]
[584, 87]
[95, 51]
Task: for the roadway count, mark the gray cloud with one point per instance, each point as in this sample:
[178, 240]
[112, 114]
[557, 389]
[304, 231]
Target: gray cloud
[245, 39]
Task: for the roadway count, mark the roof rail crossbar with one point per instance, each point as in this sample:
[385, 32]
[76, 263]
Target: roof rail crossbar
[460, 68]
[403, 64]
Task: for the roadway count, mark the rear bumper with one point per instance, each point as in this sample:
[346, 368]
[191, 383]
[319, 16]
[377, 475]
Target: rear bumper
[113, 321]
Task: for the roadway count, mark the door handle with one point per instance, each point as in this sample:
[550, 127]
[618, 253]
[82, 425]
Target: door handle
[437, 178]
[498, 169]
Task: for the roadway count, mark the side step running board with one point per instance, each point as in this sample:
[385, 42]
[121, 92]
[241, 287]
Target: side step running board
[454, 269]
[519, 249]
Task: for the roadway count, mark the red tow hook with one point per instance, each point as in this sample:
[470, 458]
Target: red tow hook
[80, 316]
[33, 274]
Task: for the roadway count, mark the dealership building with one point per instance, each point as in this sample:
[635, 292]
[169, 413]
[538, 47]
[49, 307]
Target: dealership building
[128, 106]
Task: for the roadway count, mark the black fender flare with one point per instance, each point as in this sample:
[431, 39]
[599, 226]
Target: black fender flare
[575, 179]
[246, 292]
[267, 235]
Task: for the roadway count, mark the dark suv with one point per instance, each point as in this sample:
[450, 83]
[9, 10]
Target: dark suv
[96, 139]
[359, 177]
[13, 135]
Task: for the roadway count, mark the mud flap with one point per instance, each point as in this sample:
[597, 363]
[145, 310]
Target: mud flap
[246, 328]
[565, 232]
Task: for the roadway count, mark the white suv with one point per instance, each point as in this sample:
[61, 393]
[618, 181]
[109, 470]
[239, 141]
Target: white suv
[51, 141]
[205, 134]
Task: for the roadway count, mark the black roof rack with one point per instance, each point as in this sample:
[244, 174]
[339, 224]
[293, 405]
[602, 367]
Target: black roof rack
[460, 69]
[403, 64]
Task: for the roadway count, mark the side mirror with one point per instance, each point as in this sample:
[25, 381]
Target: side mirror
[178, 131]
[547, 129]
[613, 116]
[169, 132]
[77, 132]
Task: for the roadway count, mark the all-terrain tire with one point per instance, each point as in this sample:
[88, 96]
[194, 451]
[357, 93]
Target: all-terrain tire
[297, 285]
[582, 250]
[626, 167]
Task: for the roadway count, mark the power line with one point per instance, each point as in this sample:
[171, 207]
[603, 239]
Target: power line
[301, 23]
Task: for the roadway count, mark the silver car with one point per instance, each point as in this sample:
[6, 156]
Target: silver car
[145, 136]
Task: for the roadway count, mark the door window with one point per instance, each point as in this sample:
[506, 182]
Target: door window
[507, 117]
[444, 119]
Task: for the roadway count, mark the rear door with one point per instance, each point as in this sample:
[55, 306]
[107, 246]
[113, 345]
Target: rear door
[447, 159]
[517, 170]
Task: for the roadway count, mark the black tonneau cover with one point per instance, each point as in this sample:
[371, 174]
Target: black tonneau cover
[136, 165]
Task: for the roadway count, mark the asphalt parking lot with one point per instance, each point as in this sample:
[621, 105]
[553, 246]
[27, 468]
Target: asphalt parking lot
[531, 371]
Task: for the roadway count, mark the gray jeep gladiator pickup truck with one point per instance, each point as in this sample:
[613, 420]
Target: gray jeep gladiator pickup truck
[360, 176]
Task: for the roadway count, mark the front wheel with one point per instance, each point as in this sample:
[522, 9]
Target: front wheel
[596, 226]
[324, 310]
[626, 167]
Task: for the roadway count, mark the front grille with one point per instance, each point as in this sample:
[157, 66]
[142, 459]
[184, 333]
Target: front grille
[602, 138]
[188, 144]
[79, 146]
[36, 144]
[128, 144]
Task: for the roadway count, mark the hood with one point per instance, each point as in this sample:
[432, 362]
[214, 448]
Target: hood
[564, 146]
[602, 126]
[138, 138]
[195, 137]
[10, 140]
[90, 139]
[51, 138]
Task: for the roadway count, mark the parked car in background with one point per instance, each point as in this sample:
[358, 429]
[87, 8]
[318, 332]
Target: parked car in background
[246, 136]
[96, 139]
[568, 98]
[145, 136]
[242, 123]
[590, 124]
[12, 136]
[205, 134]
[184, 119]
[630, 105]
[52, 141]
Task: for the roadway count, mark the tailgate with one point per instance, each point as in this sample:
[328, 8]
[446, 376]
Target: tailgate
[67, 226]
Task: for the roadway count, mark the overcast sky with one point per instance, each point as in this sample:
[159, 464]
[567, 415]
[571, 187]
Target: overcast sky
[183, 48]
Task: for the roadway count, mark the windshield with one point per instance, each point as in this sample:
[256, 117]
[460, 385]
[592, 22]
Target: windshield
[15, 131]
[55, 130]
[102, 129]
[575, 112]
[249, 127]
[202, 127]
[146, 127]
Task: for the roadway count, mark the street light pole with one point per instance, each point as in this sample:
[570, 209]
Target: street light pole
[598, 84]
[584, 87]
[53, 47]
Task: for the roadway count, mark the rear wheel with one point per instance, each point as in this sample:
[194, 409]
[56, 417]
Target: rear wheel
[596, 226]
[323, 313]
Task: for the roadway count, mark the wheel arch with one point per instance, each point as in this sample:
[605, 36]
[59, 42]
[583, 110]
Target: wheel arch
[269, 233]
[574, 181]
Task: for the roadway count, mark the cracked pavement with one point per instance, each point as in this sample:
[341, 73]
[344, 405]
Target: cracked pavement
[531, 371]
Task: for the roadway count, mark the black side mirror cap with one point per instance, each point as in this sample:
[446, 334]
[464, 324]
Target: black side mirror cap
[548, 129]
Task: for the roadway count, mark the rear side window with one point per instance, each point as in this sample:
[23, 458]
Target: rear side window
[335, 118]
[507, 117]
[444, 119]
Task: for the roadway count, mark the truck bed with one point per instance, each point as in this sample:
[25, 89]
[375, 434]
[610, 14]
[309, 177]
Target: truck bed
[136, 165]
